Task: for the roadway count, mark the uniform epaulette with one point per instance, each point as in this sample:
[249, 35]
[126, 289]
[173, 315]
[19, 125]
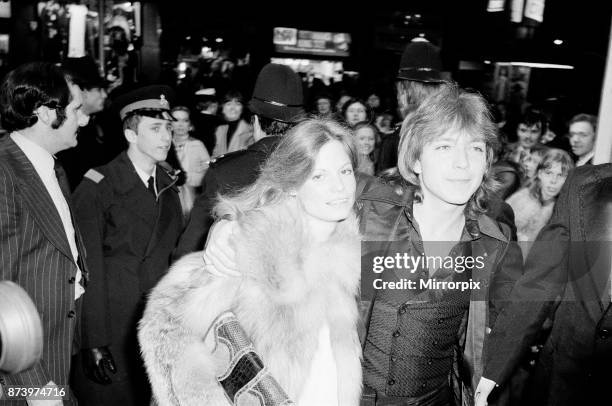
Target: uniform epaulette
[94, 176]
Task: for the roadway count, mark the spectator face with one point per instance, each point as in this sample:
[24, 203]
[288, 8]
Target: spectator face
[341, 101]
[548, 137]
[365, 140]
[530, 164]
[528, 136]
[153, 139]
[582, 138]
[355, 113]
[373, 101]
[551, 181]
[323, 106]
[93, 100]
[182, 125]
[451, 168]
[329, 192]
[232, 110]
[75, 118]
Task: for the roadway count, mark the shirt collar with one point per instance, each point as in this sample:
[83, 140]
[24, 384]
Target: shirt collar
[583, 160]
[471, 229]
[143, 175]
[40, 158]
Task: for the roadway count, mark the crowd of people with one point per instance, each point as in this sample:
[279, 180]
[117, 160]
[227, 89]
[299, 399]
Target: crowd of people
[216, 251]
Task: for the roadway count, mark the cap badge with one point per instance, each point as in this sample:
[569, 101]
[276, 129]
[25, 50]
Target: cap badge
[163, 103]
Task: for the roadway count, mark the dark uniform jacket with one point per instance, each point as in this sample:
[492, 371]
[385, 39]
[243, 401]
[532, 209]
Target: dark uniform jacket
[130, 236]
[35, 253]
[571, 260]
[396, 328]
[227, 173]
[387, 156]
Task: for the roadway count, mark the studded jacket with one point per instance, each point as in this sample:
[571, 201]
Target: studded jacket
[394, 325]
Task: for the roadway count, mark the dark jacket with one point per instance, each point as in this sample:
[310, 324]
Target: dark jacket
[130, 236]
[227, 174]
[570, 260]
[95, 147]
[386, 215]
[387, 156]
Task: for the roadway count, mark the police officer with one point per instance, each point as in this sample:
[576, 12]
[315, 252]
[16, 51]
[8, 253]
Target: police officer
[419, 75]
[277, 104]
[130, 214]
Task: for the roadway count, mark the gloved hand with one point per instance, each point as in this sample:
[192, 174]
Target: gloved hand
[95, 363]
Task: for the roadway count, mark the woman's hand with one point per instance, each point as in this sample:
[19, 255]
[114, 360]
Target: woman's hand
[219, 253]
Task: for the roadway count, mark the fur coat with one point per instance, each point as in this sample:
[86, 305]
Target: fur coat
[289, 288]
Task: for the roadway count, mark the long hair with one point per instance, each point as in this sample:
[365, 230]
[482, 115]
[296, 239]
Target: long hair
[411, 93]
[375, 131]
[552, 156]
[450, 108]
[28, 87]
[288, 167]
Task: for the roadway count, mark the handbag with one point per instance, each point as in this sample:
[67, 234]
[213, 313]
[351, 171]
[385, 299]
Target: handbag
[245, 380]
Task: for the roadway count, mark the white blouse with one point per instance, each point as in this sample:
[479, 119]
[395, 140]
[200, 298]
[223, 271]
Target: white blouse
[321, 385]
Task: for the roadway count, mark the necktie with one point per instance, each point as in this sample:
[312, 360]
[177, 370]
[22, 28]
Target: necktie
[151, 186]
[62, 179]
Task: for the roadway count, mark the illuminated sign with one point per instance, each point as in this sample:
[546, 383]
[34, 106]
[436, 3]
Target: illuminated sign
[294, 41]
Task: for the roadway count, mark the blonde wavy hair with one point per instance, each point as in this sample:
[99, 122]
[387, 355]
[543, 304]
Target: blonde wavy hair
[288, 167]
[449, 108]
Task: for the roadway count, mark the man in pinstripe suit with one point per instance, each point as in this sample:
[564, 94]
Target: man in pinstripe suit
[40, 248]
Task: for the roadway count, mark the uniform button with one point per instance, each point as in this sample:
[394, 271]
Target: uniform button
[423, 385]
[396, 333]
[391, 382]
[604, 333]
[71, 280]
[71, 313]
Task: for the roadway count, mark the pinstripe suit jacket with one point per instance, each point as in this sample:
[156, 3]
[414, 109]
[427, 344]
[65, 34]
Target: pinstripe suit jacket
[34, 252]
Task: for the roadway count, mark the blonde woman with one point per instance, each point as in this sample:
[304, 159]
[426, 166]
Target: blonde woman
[298, 246]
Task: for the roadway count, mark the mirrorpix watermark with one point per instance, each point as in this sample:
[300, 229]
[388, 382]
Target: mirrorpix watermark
[425, 284]
[400, 266]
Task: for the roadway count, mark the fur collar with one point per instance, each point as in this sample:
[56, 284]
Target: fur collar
[276, 255]
[290, 288]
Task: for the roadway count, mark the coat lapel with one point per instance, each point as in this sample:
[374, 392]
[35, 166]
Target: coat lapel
[241, 138]
[37, 198]
[164, 207]
[488, 246]
[221, 139]
[135, 192]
